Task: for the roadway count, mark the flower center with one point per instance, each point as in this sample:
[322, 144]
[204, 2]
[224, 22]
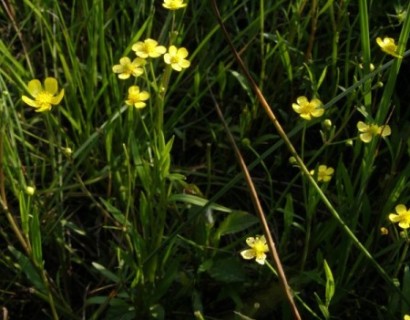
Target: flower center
[128, 68]
[44, 98]
[175, 59]
[149, 48]
[307, 108]
[405, 217]
[259, 247]
[374, 129]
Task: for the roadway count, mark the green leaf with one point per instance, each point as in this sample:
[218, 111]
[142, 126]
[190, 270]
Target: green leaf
[29, 270]
[406, 289]
[197, 201]
[330, 283]
[108, 274]
[227, 270]
[235, 222]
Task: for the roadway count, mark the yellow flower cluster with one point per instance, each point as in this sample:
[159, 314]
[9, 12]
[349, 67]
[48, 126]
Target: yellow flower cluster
[258, 249]
[149, 48]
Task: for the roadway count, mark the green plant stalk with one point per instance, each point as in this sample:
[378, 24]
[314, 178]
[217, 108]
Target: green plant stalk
[160, 102]
[403, 256]
[365, 42]
[293, 151]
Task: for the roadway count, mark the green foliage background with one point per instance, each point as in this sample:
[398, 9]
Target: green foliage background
[146, 222]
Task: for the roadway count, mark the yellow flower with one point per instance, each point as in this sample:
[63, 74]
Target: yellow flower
[307, 109]
[174, 4]
[388, 45]
[176, 58]
[406, 317]
[43, 98]
[258, 249]
[402, 216]
[148, 48]
[324, 173]
[136, 97]
[126, 68]
[368, 131]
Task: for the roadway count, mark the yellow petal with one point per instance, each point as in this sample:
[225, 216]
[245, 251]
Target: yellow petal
[250, 241]
[182, 53]
[118, 68]
[362, 127]
[137, 46]
[184, 64]
[123, 76]
[140, 61]
[172, 50]
[316, 102]
[318, 112]
[404, 224]
[302, 100]
[139, 105]
[401, 209]
[366, 137]
[305, 116]
[133, 90]
[296, 107]
[144, 95]
[34, 87]
[261, 259]
[125, 60]
[385, 131]
[167, 58]
[161, 49]
[394, 217]
[57, 99]
[45, 107]
[51, 85]
[30, 102]
[176, 67]
[248, 254]
[380, 42]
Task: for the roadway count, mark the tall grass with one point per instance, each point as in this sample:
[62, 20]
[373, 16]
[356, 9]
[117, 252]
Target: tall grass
[113, 212]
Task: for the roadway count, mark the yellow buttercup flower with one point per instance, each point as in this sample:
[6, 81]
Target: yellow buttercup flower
[174, 4]
[128, 68]
[258, 249]
[136, 97]
[324, 173]
[388, 45]
[45, 97]
[149, 48]
[368, 131]
[406, 317]
[176, 58]
[308, 109]
[402, 216]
